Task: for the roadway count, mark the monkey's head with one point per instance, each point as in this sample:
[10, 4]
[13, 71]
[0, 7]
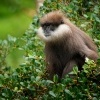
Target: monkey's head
[53, 26]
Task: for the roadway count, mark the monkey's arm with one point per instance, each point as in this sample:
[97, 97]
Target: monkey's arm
[87, 40]
[79, 46]
[88, 48]
[84, 42]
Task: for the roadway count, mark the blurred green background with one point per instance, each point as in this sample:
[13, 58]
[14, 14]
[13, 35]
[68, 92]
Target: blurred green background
[15, 18]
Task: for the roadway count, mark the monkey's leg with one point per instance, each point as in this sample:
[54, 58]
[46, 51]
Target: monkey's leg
[50, 71]
[80, 60]
[69, 67]
[80, 64]
[55, 70]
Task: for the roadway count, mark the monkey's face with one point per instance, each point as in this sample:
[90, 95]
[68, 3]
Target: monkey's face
[48, 28]
[53, 26]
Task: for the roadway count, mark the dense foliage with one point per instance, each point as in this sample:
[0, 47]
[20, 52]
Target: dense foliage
[7, 8]
[29, 82]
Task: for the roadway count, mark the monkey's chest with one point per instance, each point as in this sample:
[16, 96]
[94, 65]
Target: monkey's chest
[63, 55]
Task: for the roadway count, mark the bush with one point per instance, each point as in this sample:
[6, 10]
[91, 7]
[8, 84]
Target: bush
[29, 82]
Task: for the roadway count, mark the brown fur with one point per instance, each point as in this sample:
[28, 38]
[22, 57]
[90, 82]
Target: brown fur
[69, 50]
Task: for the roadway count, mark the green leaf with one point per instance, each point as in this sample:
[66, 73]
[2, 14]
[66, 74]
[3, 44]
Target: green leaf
[86, 16]
[22, 83]
[1, 76]
[75, 70]
[11, 38]
[38, 78]
[97, 19]
[55, 78]
[52, 93]
[68, 92]
[49, 81]
[32, 78]
[94, 98]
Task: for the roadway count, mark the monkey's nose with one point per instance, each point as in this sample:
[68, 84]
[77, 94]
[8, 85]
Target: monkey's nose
[47, 34]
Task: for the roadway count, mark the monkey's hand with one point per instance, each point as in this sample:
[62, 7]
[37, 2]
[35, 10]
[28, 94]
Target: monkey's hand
[90, 54]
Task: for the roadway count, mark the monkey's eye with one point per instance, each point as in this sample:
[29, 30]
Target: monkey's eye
[42, 25]
[45, 24]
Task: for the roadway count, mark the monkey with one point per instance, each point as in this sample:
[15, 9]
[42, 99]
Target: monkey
[66, 45]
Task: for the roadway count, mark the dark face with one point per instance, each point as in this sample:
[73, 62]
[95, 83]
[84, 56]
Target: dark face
[50, 27]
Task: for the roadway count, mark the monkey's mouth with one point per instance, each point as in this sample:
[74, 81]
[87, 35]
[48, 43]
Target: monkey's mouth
[47, 35]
